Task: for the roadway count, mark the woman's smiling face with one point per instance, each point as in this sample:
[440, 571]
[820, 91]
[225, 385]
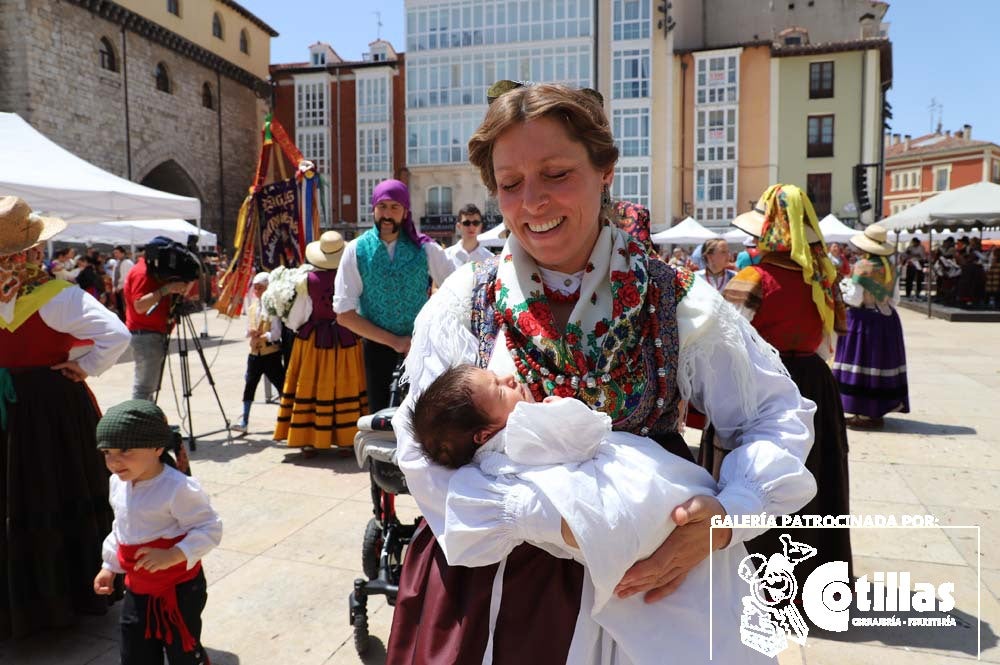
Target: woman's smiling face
[549, 193]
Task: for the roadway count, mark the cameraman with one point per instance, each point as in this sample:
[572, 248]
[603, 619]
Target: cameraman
[147, 316]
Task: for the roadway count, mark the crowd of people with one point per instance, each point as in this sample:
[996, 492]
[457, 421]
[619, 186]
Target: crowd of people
[577, 321]
[965, 274]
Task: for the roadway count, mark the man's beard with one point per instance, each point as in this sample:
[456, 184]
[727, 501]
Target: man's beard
[390, 220]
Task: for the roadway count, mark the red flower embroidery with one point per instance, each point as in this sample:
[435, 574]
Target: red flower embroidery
[528, 324]
[629, 295]
[564, 390]
[572, 339]
[601, 328]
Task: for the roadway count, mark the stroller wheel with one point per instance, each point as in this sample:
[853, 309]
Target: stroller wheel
[361, 637]
[371, 549]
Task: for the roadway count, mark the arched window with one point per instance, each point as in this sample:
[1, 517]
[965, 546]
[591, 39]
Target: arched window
[207, 100]
[109, 60]
[162, 77]
[217, 25]
[438, 201]
[244, 42]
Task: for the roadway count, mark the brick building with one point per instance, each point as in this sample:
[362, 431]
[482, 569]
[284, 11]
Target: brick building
[918, 168]
[348, 118]
[168, 93]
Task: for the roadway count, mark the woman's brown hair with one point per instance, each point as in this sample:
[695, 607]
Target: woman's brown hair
[579, 111]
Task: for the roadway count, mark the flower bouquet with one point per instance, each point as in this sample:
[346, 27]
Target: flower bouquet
[285, 284]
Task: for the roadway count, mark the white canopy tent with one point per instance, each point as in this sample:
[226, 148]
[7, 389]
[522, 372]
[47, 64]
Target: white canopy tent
[56, 182]
[688, 231]
[136, 233]
[736, 236]
[971, 207]
[495, 237]
[835, 230]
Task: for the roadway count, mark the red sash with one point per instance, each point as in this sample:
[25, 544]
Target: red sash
[162, 610]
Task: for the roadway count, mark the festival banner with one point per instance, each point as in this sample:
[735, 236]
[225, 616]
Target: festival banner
[279, 225]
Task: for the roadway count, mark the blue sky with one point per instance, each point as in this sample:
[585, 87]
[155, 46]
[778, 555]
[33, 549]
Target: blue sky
[946, 51]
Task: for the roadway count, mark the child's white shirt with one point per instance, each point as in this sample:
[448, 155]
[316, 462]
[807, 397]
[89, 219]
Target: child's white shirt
[167, 506]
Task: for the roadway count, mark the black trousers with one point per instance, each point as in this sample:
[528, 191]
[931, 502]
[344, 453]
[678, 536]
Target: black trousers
[287, 342]
[912, 274]
[258, 366]
[137, 650]
[380, 362]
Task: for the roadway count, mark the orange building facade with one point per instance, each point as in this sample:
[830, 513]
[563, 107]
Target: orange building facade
[918, 168]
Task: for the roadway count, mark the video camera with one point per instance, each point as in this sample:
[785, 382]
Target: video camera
[171, 261]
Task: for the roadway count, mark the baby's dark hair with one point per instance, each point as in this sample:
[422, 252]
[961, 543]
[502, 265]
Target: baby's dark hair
[444, 419]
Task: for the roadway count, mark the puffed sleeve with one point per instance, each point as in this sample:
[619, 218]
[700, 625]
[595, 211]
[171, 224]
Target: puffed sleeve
[77, 313]
[438, 263]
[193, 512]
[736, 378]
[347, 286]
[485, 517]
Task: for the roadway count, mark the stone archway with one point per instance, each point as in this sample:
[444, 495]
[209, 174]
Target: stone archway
[169, 176]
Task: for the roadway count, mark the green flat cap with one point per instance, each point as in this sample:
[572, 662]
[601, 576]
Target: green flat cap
[136, 423]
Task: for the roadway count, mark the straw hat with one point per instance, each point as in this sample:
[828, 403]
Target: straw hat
[752, 222]
[325, 253]
[21, 229]
[873, 241]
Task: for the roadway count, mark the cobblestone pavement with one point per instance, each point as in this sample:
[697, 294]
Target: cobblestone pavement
[278, 586]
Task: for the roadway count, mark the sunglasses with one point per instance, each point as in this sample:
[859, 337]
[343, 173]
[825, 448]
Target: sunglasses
[471, 222]
[504, 86]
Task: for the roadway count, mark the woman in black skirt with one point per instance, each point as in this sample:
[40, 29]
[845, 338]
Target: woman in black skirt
[790, 299]
[53, 482]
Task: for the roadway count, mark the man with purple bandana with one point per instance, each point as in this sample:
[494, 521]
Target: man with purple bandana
[383, 281]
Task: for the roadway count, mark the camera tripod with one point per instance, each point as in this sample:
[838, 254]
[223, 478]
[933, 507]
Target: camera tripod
[186, 336]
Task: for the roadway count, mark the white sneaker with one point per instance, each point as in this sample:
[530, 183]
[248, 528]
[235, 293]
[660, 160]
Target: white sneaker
[238, 427]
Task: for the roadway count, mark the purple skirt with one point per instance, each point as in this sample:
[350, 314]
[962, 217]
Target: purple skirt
[870, 365]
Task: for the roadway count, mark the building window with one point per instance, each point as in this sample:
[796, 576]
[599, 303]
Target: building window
[207, 100]
[631, 184]
[715, 185]
[373, 150]
[995, 176]
[818, 188]
[216, 25]
[373, 100]
[715, 135]
[244, 42]
[441, 138]
[109, 60]
[820, 137]
[174, 7]
[717, 80]
[631, 19]
[631, 131]
[317, 59]
[942, 175]
[820, 80]
[310, 104]
[630, 73]
[162, 77]
[366, 185]
[438, 201]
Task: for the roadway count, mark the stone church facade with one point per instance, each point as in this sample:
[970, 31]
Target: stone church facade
[167, 93]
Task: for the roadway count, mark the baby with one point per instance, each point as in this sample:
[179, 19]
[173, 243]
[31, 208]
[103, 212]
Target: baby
[614, 492]
[163, 527]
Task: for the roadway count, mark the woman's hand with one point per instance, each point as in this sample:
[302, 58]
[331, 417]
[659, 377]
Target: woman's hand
[104, 582]
[71, 370]
[661, 574]
[154, 559]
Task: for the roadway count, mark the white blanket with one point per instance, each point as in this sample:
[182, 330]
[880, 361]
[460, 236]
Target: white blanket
[615, 490]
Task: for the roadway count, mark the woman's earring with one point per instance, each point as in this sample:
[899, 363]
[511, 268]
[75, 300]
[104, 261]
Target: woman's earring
[605, 197]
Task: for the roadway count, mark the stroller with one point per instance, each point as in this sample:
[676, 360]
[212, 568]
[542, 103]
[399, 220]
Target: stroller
[385, 536]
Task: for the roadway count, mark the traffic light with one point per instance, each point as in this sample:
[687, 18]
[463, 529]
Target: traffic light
[861, 188]
[886, 113]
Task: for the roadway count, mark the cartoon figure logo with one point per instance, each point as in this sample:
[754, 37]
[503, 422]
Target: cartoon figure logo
[770, 617]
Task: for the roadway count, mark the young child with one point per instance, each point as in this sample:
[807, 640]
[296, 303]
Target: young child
[163, 527]
[614, 492]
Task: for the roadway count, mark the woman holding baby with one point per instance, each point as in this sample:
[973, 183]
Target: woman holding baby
[574, 307]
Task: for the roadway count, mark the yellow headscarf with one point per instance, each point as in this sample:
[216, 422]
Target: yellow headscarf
[787, 211]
